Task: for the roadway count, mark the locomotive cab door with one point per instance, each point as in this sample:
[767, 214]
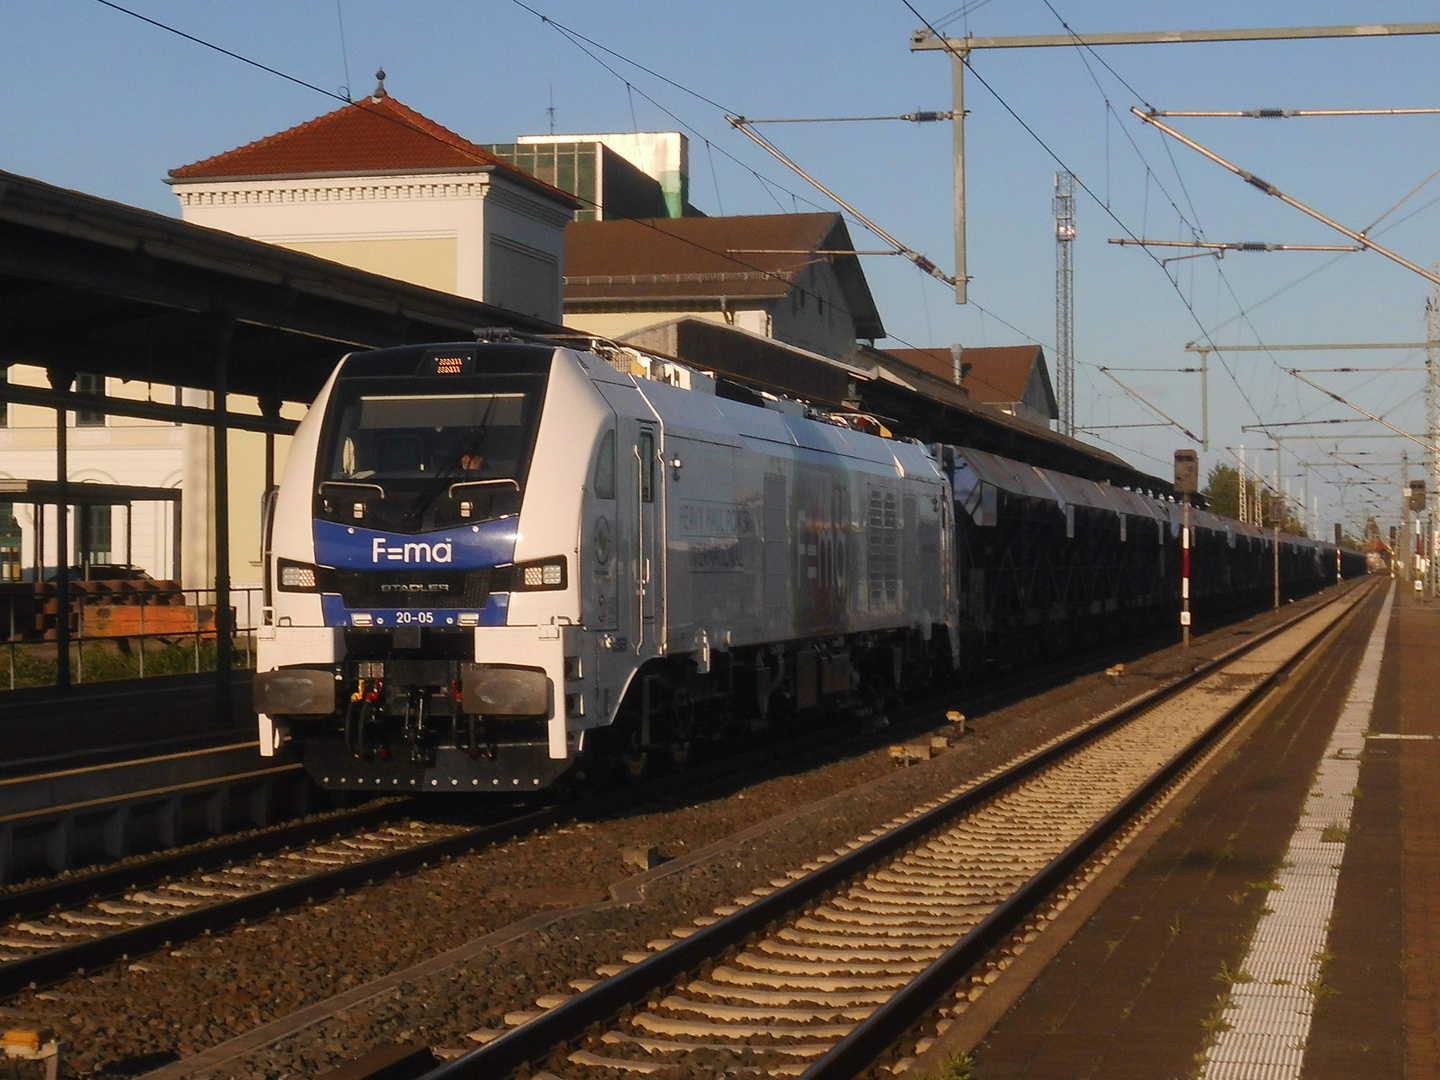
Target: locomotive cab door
[650, 547]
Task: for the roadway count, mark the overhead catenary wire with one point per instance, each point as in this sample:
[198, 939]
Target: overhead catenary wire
[223, 51]
[344, 52]
[1149, 173]
[1285, 114]
[1326, 265]
[580, 41]
[741, 124]
[1270, 189]
[1219, 253]
[1242, 245]
[458, 147]
[962, 57]
[576, 37]
[565, 31]
[1378, 419]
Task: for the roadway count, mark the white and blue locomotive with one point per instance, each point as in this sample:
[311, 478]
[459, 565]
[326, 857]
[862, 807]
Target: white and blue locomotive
[492, 560]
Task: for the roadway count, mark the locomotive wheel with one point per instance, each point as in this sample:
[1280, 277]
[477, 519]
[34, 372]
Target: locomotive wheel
[637, 763]
[684, 754]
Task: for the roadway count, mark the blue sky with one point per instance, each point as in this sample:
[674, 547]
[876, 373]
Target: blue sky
[101, 102]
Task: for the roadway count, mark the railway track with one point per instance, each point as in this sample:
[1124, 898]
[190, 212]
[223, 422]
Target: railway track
[83, 921]
[822, 971]
[79, 924]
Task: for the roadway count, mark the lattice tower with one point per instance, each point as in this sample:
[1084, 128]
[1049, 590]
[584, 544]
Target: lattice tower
[1064, 206]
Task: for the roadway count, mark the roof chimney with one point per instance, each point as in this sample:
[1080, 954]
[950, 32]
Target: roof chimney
[379, 86]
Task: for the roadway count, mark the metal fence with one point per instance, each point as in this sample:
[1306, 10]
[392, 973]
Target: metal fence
[118, 644]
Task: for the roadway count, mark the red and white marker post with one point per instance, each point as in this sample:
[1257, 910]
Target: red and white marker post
[1187, 482]
[1185, 574]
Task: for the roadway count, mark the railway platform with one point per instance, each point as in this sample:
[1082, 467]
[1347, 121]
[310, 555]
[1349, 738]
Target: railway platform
[41, 727]
[1285, 921]
[104, 771]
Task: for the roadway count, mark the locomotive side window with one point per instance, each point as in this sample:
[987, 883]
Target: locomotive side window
[647, 466]
[605, 467]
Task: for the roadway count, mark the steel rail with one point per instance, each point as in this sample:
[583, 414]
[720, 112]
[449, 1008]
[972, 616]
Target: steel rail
[59, 963]
[878, 1032]
[36, 900]
[28, 902]
[536, 1039]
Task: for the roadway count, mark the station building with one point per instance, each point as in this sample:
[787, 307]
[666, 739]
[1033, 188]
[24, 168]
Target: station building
[644, 174]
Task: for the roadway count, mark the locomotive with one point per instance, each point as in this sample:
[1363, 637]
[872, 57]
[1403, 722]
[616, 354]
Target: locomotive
[492, 563]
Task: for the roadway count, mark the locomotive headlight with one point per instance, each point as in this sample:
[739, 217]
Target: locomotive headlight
[544, 574]
[298, 576]
[537, 576]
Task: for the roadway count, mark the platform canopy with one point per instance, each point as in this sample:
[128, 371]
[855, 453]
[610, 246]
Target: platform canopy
[109, 289]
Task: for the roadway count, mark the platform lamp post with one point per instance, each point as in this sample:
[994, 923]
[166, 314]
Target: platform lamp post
[1187, 482]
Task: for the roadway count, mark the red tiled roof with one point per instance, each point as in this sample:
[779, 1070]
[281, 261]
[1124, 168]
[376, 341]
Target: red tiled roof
[999, 373]
[671, 258]
[371, 135]
[937, 362]
[994, 375]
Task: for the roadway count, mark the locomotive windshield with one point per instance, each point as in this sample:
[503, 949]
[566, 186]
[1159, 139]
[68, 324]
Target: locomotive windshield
[394, 437]
[413, 461]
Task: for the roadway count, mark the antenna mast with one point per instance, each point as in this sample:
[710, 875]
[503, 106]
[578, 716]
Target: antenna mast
[1064, 206]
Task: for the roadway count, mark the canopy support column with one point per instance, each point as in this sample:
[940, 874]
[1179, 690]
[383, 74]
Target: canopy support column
[224, 658]
[60, 380]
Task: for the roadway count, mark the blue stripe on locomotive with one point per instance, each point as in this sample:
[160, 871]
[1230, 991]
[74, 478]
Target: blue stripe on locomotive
[491, 543]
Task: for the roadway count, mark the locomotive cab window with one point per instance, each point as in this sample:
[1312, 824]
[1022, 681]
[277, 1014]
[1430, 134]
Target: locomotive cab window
[409, 461]
[646, 448]
[605, 467]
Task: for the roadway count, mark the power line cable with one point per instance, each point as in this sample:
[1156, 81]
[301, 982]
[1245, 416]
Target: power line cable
[580, 41]
[1323, 266]
[573, 33]
[577, 38]
[1079, 41]
[1196, 230]
[408, 125]
[964, 11]
[226, 52]
[963, 58]
[463, 149]
[344, 52]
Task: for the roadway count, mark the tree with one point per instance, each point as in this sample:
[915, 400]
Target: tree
[1222, 496]
[1222, 491]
